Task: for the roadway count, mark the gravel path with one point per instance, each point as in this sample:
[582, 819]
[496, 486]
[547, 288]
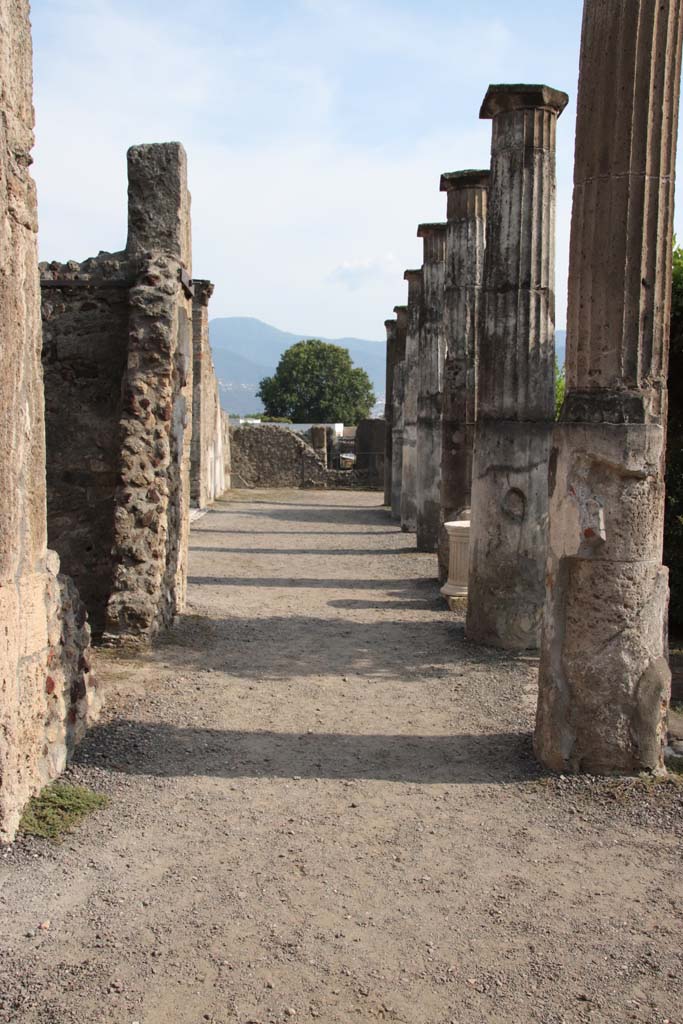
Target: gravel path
[324, 806]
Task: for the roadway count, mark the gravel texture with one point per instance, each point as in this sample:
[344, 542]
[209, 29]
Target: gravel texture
[324, 806]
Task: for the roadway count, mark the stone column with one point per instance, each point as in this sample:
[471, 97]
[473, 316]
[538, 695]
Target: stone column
[390, 327]
[515, 376]
[604, 679]
[203, 411]
[431, 355]
[152, 501]
[465, 245]
[410, 385]
[398, 414]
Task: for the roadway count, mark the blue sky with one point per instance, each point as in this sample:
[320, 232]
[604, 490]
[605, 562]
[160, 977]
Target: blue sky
[316, 132]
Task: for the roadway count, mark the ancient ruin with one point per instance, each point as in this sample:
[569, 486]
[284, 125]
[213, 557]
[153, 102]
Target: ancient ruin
[604, 679]
[271, 455]
[209, 452]
[410, 388]
[118, 359]
[431, 356]
[465, 246]
[515, 374]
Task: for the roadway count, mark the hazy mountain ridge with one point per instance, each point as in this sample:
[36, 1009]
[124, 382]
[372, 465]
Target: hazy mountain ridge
[246, 349]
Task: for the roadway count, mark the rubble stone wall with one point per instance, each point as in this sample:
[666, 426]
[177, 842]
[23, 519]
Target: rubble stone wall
[85, 351]
[273, 456]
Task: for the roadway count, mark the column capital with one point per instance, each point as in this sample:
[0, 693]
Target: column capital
[502, 99]
[452, 181]
[431, 230]
[203, 290]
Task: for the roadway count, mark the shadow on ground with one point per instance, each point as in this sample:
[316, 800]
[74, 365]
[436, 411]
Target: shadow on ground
[160, 749]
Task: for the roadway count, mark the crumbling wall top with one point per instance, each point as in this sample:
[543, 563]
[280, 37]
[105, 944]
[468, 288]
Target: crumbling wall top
[158, 201]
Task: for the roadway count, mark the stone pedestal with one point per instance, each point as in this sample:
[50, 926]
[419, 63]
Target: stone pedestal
[398, 411]
[458, 534]
[410, 378]
[465, 245]
[515, 375]
[431, 355]
[604, 678]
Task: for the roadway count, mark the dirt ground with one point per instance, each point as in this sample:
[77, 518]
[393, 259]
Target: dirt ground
[323, 805]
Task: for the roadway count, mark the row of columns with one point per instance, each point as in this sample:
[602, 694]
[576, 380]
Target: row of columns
[566, 518]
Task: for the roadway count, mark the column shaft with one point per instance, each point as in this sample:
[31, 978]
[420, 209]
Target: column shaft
[390, 327]
[431, 355]
[515, 393]
[465, 245]
[398, 391]
[604, 679]
[410, 378]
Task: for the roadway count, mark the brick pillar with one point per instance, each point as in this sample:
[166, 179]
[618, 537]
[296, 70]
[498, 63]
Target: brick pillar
[398, 415]
[390, 327]
[408, 477]
[431, 355]
[604, 679]
[515, 377]
[465, 246]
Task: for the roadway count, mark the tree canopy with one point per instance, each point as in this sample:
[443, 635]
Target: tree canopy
[316, 382]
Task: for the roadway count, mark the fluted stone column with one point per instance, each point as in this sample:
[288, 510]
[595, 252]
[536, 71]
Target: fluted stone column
[465, 244]
[398, 414]
[431, 355]
[604, 679]
[515, 377]
[410, 385]
[390, 327]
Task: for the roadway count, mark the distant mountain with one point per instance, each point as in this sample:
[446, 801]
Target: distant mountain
[245, 350]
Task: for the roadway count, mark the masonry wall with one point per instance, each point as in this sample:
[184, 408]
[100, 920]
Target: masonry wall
[85, 351]
[273, 456]
[47, 694]
[118, 358]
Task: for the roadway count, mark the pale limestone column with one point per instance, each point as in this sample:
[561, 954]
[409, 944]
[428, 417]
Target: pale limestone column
[455, 587]
[515, 377]
[390, 327]
[465, 245]
[398, 414]
[410, 376]
[431, 355]
[604, 679]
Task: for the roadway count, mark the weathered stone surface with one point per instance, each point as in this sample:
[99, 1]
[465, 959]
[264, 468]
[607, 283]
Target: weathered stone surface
[23, 574]
[604, 680]
[465, 246]
[390, 327]
[319, 441]
[369, 448]
[151, 521]
[85, 350]
[398, 411]
[207, 461]
[515, 382]
[270, 455]
[431, 357]
[410, 388]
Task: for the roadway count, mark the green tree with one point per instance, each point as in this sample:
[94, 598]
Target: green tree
[673, 515]
[316, 382]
